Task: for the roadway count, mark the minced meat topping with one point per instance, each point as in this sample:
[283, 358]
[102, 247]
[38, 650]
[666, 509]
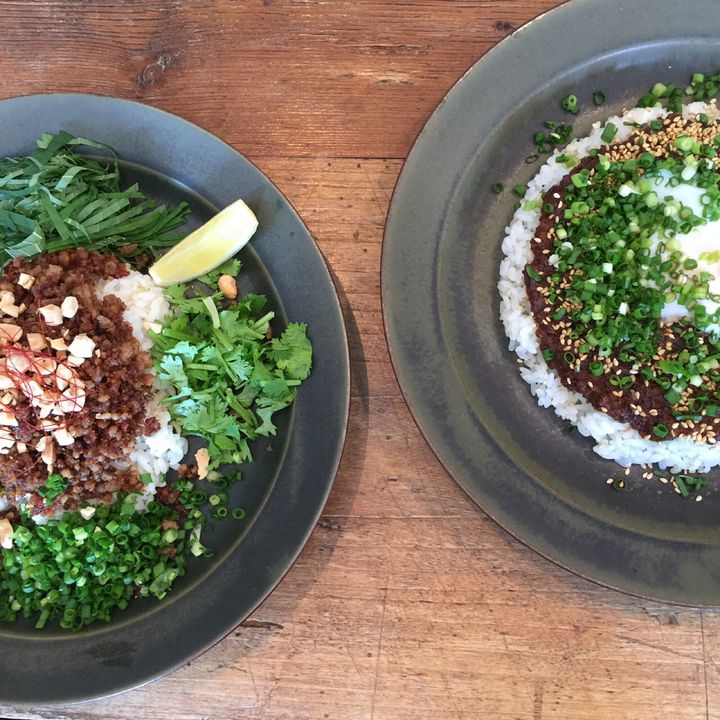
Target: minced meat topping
[74, 382]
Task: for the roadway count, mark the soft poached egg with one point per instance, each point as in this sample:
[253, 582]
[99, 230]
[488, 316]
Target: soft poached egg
[701, 244]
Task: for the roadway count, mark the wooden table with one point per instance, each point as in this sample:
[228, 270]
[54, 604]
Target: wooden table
[407, 602]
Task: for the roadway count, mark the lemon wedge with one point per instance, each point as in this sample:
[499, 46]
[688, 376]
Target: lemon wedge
[207, 247]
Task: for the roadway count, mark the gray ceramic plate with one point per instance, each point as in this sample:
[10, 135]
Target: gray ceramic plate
[283, 491]
[440, 264]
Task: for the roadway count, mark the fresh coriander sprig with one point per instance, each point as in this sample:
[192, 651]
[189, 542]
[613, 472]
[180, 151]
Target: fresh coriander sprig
[229, 375]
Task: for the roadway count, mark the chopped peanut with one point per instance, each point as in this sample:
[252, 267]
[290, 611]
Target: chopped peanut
[203, 460]
[36, 341]
[82, 346]
[11, 333]
[26, 281]
[17, 362]
[47, 451]
[58, 344]
[7, 417]
[45, 365]
[11, 310]
[63, 437]
[228, 286]
[6, 534]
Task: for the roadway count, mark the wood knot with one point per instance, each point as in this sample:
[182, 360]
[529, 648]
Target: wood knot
[153, 72]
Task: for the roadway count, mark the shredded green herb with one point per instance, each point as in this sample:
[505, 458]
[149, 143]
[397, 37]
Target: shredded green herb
[58, 198]
[230, 376]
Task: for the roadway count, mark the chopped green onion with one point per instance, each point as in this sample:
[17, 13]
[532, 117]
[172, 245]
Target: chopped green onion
[570, 103]
[609, 133]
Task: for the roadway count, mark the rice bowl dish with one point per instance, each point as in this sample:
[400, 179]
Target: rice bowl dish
[119, 340]
[657, 409]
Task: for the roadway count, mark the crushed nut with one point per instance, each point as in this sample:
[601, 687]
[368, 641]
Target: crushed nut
[7, 417]
[58, 344]
[36, 341]
[63, 437]
[6, 534]
[52, 314]
[69, 306]
[26, 281]
[82, 346]
[45, 365]
[228, 286]
[87, 512]
[6, 439]
[17, 362]
[202, 458]
[11, 310]
[10, 333]
[63, 376]
[47, 451]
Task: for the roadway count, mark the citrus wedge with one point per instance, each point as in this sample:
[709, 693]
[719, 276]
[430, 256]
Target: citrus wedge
[207, 247]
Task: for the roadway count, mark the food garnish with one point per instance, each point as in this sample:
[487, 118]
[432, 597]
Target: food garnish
[622, 280]
[221, 237]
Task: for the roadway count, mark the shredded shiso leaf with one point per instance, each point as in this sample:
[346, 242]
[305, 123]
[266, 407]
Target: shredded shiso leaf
[57, 198]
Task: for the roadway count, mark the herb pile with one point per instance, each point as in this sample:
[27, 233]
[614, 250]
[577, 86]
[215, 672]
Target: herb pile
[78, 570]
[57, 198]
[229, 374]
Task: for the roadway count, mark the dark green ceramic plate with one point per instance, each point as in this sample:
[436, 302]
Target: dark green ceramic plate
[440, 265]
[283, 492]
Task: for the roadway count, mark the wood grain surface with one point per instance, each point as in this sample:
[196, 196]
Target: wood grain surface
[407, 603]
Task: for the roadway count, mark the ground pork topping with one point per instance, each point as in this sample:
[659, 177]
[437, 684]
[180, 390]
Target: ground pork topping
[74, 382]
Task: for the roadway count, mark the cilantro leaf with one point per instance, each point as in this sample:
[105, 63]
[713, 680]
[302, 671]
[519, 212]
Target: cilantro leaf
[230, 380]
[230, 267]
[293, 351]
[185, 350]
[171, 369]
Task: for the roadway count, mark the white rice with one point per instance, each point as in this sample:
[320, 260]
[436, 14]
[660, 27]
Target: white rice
[145, 307]
[615, 441]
